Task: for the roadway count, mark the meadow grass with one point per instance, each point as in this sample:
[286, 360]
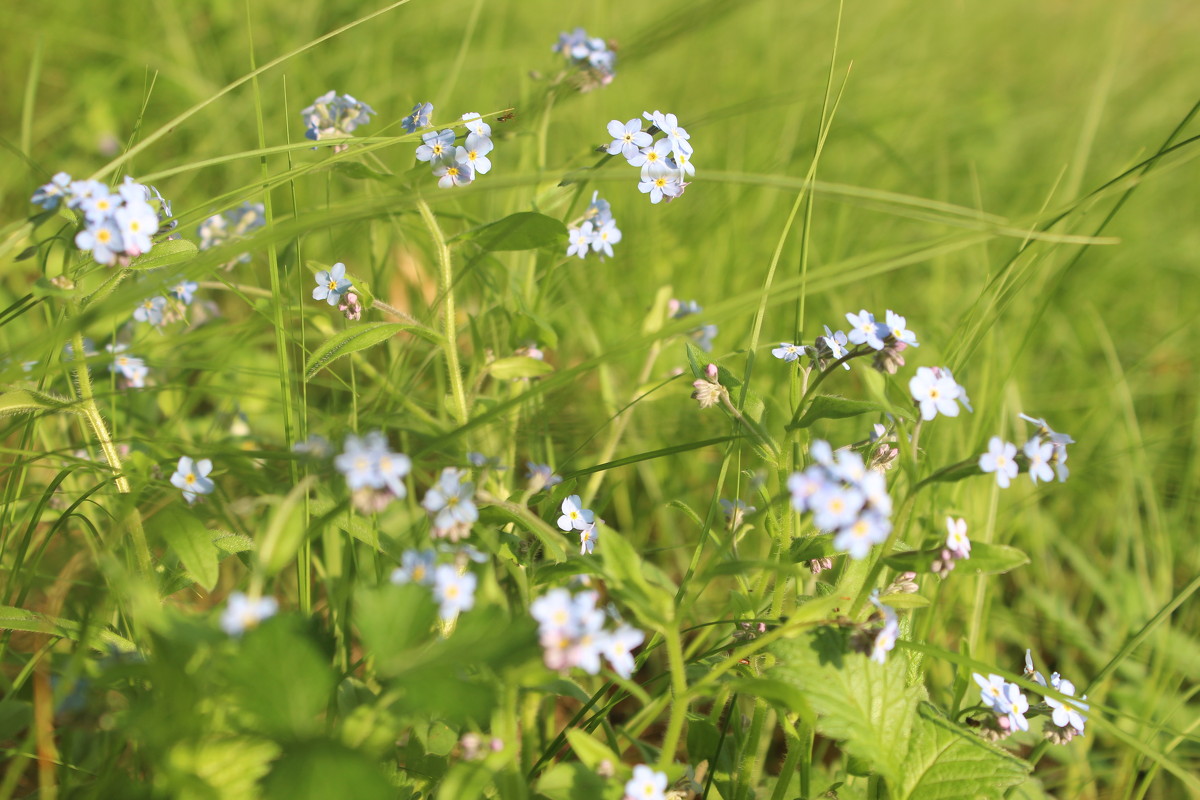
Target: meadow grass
[1017, 179]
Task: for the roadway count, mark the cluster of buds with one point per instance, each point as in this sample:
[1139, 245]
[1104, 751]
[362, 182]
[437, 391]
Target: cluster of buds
[819, 565]
[709, 390]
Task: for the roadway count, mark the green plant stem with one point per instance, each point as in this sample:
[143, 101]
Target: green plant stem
[87, 402]
[447, 291]
[679, 701]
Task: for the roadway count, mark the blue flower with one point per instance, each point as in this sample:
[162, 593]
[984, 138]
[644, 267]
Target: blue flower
[660, 183]
[437, 147]
[646, 784]
[865, 330]
[574, 516]
[885, 640]
[579, 240]
[598, 211]
[897, 330]
[459, 173]
[455, 593]
[935, 391]
[192, 478]
[475, 153]
[151, 310]
[476, 126]
[332, 284]
[452, 505]
[616, 647]
[628, 138]
[138, 222]
[419, 118]
[359, 462]
[51, 194]
[103, 239]
[1039, 454]
[184, 292]
[416, 566]
[243, 613]
[1000, 459]
[605, 237]
[703, 336]
[788, 352]
[541, 476]
[333, 116]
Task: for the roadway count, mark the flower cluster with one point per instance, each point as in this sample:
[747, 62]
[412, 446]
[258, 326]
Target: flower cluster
[703, 336]
[164, 309]
[118, 226]
[577, 518]
[131, 368]
[453, 165]
[573, 634]
[236, 223]
[243, 613]
[1067, 716]
[336, 289]
[451, 504]
[1044, 455]
[1006, 699]
[845, 497]
[453, 589]
[334, 116]
[372, 471]
[591, 54]
[192, 477]
[666, 163]
[597, 233]
[886, 340]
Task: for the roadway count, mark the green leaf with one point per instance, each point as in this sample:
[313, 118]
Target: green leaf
[525, 230]
[867, 705]
[392, 621]
[232, 543]
[320, 770]
[286, 531]
[228, 769]
[901, 600]
[280, 682]
[697, 358]
[946, 761]
[191, 541]
[589, 749]
[164, 254]
[360, 337]
[571, 781]
[20, 619]
[23, 401]
[518, 367]
[986, 559]
[832, 407]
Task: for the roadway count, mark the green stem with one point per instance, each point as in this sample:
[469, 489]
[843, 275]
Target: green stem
[679, 704]
[87, 403]
[447, 292]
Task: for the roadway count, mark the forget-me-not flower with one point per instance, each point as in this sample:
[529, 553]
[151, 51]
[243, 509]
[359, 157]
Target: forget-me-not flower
[192, 477]
[419, 118]
[151, 310]
[574, 516]
[332, 284]
[437, 147]
[628, 138]
[455, 593]
[242, 613]
[1001, 458]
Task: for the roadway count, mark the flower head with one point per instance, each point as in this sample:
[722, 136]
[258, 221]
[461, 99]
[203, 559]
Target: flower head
[865, 330]
[935, 392]
[332, 284]
[242, 612]
[627, 138]
[192, 478]
[646, 784]
[788, 352]
[541, 476]
[451, 502]
[455, 593]
[333, 116]
[1000, 459]
[437, 147]
[574, 516]
[419, 118]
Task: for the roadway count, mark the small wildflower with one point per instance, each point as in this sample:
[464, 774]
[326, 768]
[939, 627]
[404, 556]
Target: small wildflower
[192, 478]
[457, 173]
[819, 565]
[1000, 459]
[992, 692]
[735, 512]
[885, 640]
[788, 352]
[455, 593]
[51, 194]
[332, 117]
[709, 390]
[316, 446]
[243, 613]
[437, 147]
[956, 540]
[865, 330]
[541, 476]
[452, 505]
[703, 336]
[419, 118]
[588, 536]
[359, 461]
[476, 126]
[935, 392]
[1068, 716]
[184, 292]
[591, 54]
[1039, 455]
[605, 237]
[475, 154]
[580, 240]
[332, 284]
[831, 346]
[574, 516]
[897, 330]
[617, 647]
[628, 138]
[646, 784]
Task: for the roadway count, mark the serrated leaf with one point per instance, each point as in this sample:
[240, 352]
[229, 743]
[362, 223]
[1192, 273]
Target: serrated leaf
[833, 407]
[946, 761]
[525, 230]
[229, 769]
[21, 619]
[866, 705]
[24, 401]
[359, 337]
[164, 254]
[518, 367]
[191, 541]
